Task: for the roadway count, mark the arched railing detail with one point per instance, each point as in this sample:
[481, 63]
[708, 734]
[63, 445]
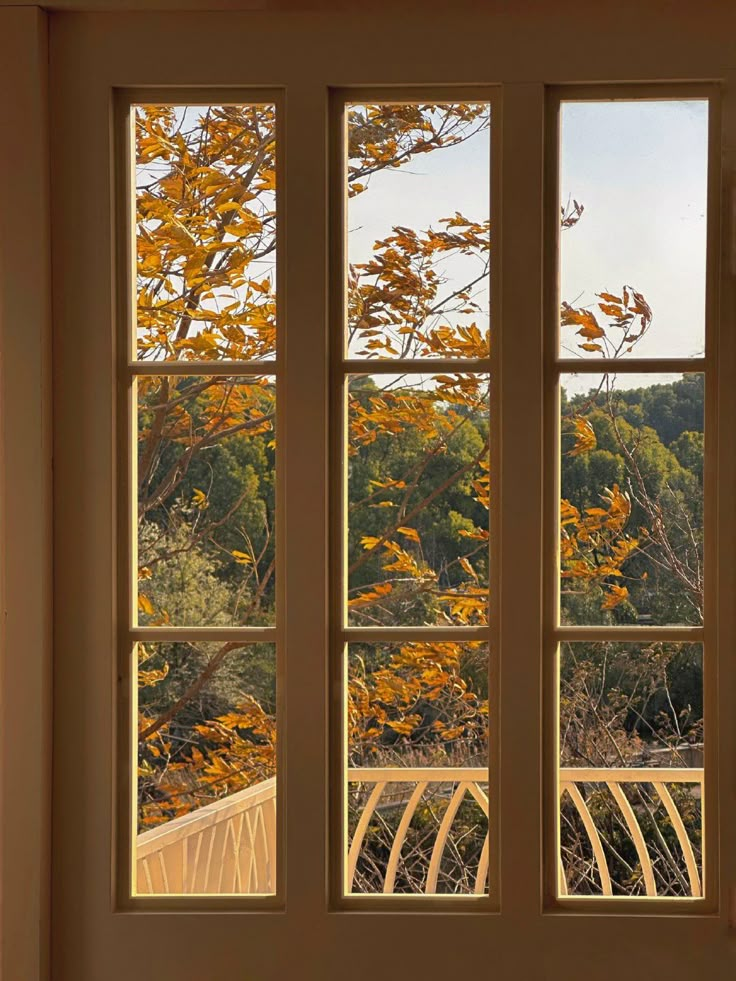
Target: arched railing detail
[593, 837]
[561, 877]
[441, 839]
[393, 859]
[682, 837]
[637, 837]
[466, 781]
[481, 879]
[362, 827]
[572, 778]
[229, 847]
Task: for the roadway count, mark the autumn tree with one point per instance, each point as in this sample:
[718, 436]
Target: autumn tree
[418, 460]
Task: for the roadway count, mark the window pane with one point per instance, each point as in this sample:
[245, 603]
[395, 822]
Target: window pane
[206, 815]
[206, 232]
[205, 501]
[420, 710]
[633, 202]
[631, 514]
[631, 769]
[418, 498]
[418, 186]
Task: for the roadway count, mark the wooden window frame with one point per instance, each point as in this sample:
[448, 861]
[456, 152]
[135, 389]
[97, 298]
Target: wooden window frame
[342, 366]
[129, 369]
[91, 55]
[555, 367]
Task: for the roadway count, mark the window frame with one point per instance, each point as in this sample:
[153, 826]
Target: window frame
[555, 367]
[342, 366]
[129, 369]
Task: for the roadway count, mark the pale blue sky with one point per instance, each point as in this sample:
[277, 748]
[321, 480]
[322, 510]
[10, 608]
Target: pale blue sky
[639, 169]
[432, 186]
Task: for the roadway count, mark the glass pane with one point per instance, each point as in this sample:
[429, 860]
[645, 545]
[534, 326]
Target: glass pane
[205, 232]
[633, 203]
[206, 815]
[420, 710]
[418, 186]
[418, 499]
[631, 514]
[205, 501]
[631, 769]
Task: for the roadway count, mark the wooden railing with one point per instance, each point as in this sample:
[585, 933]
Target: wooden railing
[224, 848]
[415, 782]
[614, 778]
[229, 847]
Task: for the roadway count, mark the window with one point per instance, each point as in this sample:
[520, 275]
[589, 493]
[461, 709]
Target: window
[410, 400]
[412, 497]
[629, 389]
[414, 399]
[204, 562]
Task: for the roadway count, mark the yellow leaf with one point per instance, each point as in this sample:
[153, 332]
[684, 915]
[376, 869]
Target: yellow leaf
[585, 440]
[617, 595]
[468, 567]
[267, 180]
[144, 604]
[199, 499]
[409, 533]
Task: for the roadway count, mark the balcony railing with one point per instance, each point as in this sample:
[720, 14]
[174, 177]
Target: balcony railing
[224, 848]
[573, 780]
[229, 847]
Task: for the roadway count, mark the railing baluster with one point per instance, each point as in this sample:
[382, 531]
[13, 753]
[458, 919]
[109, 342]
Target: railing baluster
[360, 830]
[441, 839]
[638, 838]
[237, 877]
[593, 836]
[395, 854]
[480, 797]
[561, 877]
[481, 879]
[685, 844]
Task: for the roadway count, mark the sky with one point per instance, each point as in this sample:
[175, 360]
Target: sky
[638, 168]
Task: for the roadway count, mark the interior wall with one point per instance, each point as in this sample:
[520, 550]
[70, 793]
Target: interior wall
[25, 497]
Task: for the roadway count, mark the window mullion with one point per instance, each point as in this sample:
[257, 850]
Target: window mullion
[304, 498]
[520, 486]
[726, 569]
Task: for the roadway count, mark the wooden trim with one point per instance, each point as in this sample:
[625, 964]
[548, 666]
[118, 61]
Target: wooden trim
[25, 498]
[625, 634]
[424, 366]
[725, 516]
[521, 481]
[715, 536]
[408, 635]
[305, 572]
[230, 369]
[199, 95]
[627, 366]
[243, 635]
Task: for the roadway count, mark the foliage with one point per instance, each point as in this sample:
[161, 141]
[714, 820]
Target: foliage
[419, 477]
